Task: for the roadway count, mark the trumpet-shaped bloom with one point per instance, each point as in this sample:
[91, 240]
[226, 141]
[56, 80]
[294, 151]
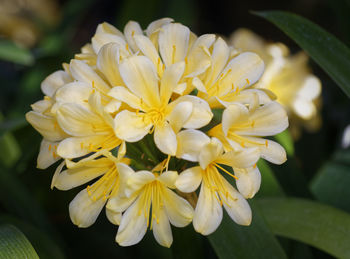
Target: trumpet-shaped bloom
[149, 202]
[287, 76]
[215, 190]
[88, 203]
[150, 96]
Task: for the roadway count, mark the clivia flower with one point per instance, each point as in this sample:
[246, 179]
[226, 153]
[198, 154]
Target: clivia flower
[131, 101]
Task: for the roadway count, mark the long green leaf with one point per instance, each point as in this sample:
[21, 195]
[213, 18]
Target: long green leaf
[310, 222]
[11, 52]
[331, 185]
[327, 51]
[13, 244]
[256, 241]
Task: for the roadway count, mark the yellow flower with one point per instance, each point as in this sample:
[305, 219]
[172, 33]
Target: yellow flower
[215, 190]
[88, 203]
[150, 96]
[288, 77]
[149, 202]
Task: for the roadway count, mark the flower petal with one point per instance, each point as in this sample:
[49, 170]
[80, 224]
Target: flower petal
[236, 206]
[161, 229]
[189, 180]
[190, 143]
[210, 152]
[122, 94]
[102, 38]
[136, 181]
[47, 154]
[168, 178]
[208, 212]
[173, 43]
[179, 211]
[149, 50]
[219, 57]
[47, 126]
[132, 29]
[165, 139]
[130, 127]
[248, 182]
[83, 72]
[233, 115]
[170, 79]
[140, 76]
[108, 61]
[54, 81]
[241, 159]
[113, 217]
[179, 115]
[83, 210]
[133, 225]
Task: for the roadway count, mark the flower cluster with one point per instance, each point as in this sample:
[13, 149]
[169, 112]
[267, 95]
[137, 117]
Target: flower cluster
[145, 101]
[288, 77]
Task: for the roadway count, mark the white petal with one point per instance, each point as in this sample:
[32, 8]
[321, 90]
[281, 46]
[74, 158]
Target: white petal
[189, 180]
[165, 139]
[210, 152]
[148, 49]
[130, 127]
[269, 120]
[83, 210]
[41, 106]
[162, 230]
[54, 81]
[83, 72]
[168, 178]
[108, 61]
[105, 27]
[122, 94]
[130, 30]
[201, 113]
[241, 159]
[133, 225]
[236, 206]
[48, 154]
[75, 92]
[140, 76]
[71, 178]
[190, 143]
[155, 25]
[248, 182]
[101, 39]
[136, 181]
[179, 115]
[179, 211]
[208, 212]
[47, 126]
[113, 217]
[219, 57]
[232, 115]
[170, 79]
[173, 43]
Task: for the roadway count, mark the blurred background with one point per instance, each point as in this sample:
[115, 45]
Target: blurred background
[37, 36]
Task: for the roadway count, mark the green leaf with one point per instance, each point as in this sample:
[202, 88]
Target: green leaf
[269, 184]
[331, 185]
[313, 223]
[286, 140]
[13, 244]
[327, 51]
[255, 241]
[13, 53]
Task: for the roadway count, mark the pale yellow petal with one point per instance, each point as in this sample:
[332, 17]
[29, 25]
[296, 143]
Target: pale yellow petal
[190, 143]
[208, 212]
[165, 138]
[46, 125]
[210, 152]
[103, 38]
[83, 211]
[136, 181]
[47, 154]
[168, 178]
[241, 159]
[233, 115]
[219, 56]
[179, 115]
[170, 79]
[189, 180]
[173, 43]
[179, 211]
[132, 29]
[122, 94]
[248, 182]
[54, 81]
[161, 229]
[149, 50]
[108, 61]
[130, 126]
[113, 217]
[155, 25]
[133, 225]
[140, 76]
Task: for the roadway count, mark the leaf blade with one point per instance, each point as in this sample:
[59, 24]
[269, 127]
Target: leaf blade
[313, 223]
[324, 48]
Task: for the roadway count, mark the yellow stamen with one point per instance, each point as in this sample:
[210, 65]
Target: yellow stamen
[227, 172]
